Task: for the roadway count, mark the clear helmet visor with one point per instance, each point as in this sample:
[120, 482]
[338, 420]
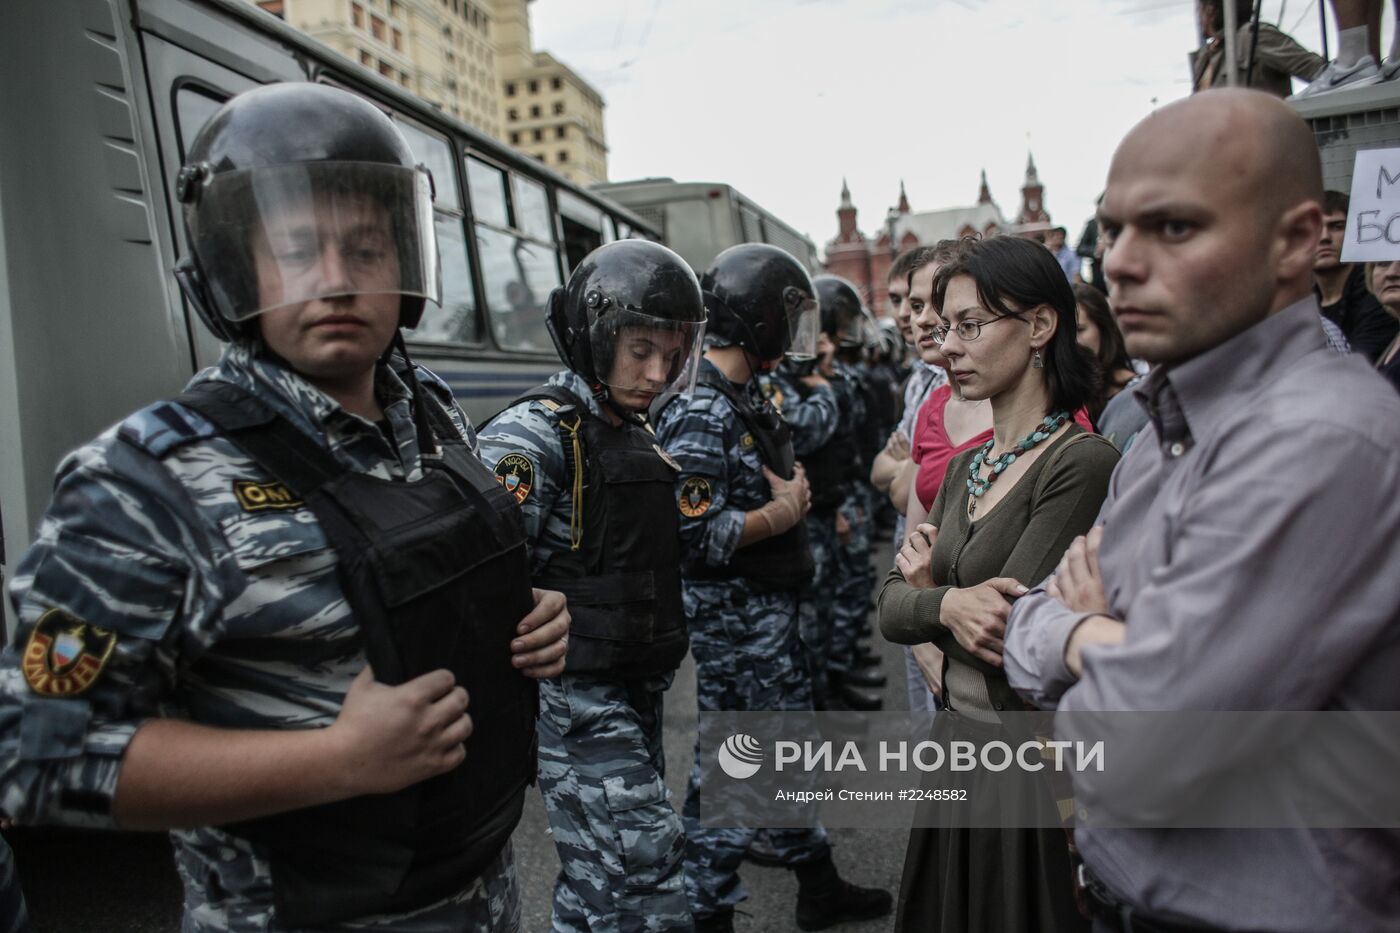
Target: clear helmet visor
[286, 234]
[637, 353]
[804, 318]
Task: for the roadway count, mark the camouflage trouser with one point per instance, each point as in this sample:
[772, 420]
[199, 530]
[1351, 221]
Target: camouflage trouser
[815, 615]
[620, 841]
[748, 656]
[14, 918]
[855, 581]
[489, 904]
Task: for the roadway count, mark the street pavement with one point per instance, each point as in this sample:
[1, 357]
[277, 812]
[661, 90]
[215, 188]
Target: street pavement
[116, 882]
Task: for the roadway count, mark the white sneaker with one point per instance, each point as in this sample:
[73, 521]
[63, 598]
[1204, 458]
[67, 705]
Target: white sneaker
[1390, 70]
[1334, 77]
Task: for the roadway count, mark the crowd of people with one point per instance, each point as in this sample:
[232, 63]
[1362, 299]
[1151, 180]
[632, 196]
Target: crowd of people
[325, 631]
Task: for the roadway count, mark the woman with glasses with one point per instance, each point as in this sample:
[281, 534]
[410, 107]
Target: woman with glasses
[1002, 519]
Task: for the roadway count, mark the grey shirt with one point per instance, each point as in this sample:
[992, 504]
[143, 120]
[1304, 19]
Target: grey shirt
[1251, 543]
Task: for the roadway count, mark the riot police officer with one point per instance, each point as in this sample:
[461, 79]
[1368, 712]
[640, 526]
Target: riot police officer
[844, 324]
[598, 498]
[742, 500]
[251, 611]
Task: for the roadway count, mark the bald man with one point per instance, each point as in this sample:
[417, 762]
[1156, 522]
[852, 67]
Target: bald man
[1245, 557]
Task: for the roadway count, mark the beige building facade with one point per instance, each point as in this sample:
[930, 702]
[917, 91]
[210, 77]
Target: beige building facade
[473, 59]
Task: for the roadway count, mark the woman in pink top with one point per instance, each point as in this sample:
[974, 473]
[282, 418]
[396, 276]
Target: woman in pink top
[933, 448]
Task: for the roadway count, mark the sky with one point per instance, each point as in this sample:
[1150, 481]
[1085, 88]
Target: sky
[784, 98]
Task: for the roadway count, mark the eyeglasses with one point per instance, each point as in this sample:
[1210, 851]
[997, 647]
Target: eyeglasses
[967, 331]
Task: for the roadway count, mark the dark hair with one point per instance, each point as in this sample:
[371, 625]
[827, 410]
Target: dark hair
[940, 252]
[903, 263]
[907, 262]
[1014, 275]
[1335, 202]
[1113, 352]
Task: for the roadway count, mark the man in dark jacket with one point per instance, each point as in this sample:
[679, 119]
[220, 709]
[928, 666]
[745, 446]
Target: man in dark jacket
[1341, 287]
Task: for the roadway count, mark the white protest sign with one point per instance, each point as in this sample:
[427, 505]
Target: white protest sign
[1373, 222]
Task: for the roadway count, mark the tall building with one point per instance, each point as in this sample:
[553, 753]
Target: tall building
[866, 262]
[547, 110]
[473, 59]
[440, 50]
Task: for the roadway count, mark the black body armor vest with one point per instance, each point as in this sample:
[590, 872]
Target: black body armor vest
[781, 562]
[833, 467]
[624, 582]
[436, 573]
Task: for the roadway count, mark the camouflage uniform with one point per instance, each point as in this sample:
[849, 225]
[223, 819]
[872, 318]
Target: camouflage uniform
[854, 578]
[748, 654]
[146, 538]
[620, 840]
[814, 420]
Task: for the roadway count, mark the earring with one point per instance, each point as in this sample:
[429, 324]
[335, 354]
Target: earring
[1036, 361]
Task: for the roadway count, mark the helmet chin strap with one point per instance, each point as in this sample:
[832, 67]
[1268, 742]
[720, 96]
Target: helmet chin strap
[427, 441]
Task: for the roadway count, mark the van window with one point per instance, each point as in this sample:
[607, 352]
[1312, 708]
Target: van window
[193, 108]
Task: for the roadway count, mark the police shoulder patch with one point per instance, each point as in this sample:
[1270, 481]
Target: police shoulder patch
[695, 497]
[516, 474]
[746, 441]
[261, 497]
[65, 655]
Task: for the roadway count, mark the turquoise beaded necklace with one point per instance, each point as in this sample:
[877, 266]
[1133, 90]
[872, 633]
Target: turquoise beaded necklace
[977, 487]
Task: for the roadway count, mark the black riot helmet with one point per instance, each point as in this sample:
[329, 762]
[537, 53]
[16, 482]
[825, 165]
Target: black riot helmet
[631, 301]
[760, 298]
[843, 315]
[294, 192]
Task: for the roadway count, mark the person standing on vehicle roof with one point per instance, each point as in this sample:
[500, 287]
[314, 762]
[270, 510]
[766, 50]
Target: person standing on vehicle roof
[598, 496]
[745, 559]
[251, 612]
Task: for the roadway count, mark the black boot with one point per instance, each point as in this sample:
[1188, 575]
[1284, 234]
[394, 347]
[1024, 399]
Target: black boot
[825, 899]
[852, 697]
[865, 657]
[858, 677]
[715, 923]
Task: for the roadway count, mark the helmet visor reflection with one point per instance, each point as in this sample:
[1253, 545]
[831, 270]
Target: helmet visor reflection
[804, 320]
[287, 234]
[636, 352]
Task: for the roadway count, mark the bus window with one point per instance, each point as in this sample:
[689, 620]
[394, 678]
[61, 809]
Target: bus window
[487, 187]
[518, 275]
[456, 320]
[519, 262]
[583, 226]
[434, 152]
[532, 209]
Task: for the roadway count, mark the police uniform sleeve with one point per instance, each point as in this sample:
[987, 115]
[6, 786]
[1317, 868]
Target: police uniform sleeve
[814, 419]
[97, 598]
[443, 393]
[522, 446]
[694, 433]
